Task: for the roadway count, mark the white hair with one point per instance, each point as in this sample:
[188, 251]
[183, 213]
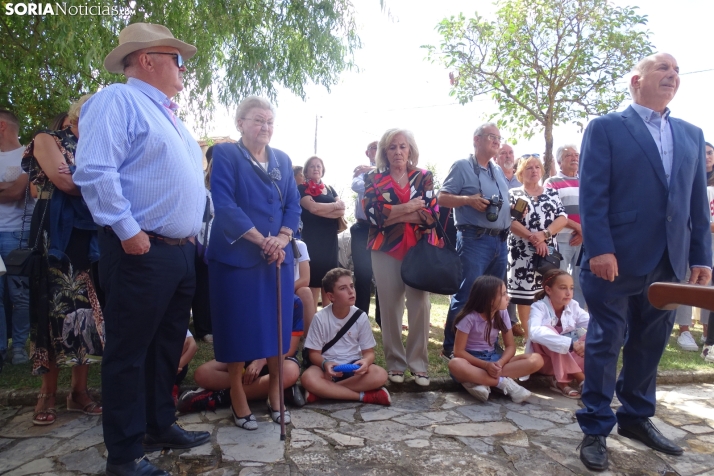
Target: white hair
[561, 150]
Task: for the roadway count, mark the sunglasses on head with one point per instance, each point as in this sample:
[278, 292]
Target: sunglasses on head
[528, 156]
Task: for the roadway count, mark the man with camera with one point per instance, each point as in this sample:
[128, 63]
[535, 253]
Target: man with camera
[477, 190]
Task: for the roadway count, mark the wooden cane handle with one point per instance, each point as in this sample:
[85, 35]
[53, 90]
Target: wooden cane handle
[670, 295]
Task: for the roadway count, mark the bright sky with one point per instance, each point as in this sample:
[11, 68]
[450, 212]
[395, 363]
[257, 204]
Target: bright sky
[397, 87]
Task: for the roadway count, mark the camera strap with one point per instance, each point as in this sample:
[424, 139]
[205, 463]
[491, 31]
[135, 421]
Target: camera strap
[477, 171]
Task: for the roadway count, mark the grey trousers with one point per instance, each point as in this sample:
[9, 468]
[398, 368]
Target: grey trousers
[392, 293]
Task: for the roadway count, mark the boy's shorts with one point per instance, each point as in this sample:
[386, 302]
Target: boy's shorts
[345, 375]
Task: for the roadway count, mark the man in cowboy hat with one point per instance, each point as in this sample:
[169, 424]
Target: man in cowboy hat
[140, 172]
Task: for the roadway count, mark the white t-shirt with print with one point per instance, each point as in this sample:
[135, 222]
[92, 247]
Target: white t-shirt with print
[304, 256]
[324, 328]
[11, 213]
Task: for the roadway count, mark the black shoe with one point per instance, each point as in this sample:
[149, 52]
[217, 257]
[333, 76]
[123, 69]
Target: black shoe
[297, 396]
[648, 434]
[446, 355]
[593, 452]
[175, 437]
[140, 467]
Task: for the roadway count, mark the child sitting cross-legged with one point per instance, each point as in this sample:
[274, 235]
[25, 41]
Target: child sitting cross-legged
[355, 346]
[479, 363]
[214, 381]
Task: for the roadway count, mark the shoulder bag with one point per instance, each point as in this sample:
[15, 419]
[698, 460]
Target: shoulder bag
[543, 264]
[429, 268]
[23, 261]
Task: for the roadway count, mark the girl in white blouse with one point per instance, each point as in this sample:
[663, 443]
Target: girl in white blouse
[557, 329]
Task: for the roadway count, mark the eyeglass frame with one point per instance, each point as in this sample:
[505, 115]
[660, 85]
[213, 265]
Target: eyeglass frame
[177, 57]
[261, 122]
[528, 156]
[496, 138]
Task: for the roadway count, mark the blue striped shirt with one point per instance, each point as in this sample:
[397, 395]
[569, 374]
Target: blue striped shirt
[137, 166]
[658, 125]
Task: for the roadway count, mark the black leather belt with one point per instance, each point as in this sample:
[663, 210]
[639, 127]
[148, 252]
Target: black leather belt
[164, 239]
[485, 231]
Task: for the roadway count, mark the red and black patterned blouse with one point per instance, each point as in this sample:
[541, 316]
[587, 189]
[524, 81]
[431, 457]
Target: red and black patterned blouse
[380, 196]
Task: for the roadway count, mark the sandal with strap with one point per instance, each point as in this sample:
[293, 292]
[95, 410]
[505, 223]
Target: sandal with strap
[567, 391]
[49, 414]
[247, 422]
[396, 376]
[276, 415]
[92, 408]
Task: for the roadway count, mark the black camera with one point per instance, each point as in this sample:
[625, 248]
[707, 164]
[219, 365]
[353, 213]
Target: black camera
[494, 206]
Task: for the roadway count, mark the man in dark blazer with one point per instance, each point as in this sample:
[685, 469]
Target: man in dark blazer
[645, 218]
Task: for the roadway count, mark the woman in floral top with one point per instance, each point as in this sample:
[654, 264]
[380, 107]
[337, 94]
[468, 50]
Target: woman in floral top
[67, 324]
[532, 234]
[400, 205]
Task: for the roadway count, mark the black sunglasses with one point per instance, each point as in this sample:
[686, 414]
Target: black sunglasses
[177, 56]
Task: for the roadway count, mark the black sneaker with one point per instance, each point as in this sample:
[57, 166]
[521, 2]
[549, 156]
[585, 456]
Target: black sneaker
[198, 400]
[297, 396]
[446, 356]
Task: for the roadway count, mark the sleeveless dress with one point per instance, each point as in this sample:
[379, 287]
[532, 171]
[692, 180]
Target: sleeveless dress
[67, 326]
[320, 236]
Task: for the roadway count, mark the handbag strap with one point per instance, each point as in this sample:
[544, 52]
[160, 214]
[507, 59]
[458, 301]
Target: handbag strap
[343, 330]
[25, 216]
[440, 229]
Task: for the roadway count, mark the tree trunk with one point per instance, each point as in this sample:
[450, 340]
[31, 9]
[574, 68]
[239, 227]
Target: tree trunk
[548, 165]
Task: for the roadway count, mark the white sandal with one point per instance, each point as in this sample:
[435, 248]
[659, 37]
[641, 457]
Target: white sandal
[247, 422]
[276, 415]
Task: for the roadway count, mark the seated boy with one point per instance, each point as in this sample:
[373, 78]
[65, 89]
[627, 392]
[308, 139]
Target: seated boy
[356, 346]
[214, 383]
[302, 282]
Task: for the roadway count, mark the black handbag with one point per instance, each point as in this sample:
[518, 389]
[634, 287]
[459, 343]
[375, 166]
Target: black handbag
[429, 268]
[25, 261]
[543, 264]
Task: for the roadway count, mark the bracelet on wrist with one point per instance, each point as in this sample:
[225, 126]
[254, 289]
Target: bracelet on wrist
[323, 364]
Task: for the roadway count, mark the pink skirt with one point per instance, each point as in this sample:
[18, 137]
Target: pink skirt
[562, 366]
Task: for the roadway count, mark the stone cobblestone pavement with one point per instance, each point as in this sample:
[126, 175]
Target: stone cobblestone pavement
[429, 433]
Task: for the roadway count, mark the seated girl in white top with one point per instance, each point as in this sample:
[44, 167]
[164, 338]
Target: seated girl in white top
[557, 329]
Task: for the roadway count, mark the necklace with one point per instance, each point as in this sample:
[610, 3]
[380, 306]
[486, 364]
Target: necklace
[400, 178]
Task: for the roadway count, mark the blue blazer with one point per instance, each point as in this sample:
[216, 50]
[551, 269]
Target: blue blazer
[243, 198]
[627, 207]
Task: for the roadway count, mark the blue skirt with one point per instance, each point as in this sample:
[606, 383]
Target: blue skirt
[244, 310]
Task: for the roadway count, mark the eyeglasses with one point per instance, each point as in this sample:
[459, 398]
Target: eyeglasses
[260, 122]
[374, 147]
[177, 57]
[528, 156]
[493, 137]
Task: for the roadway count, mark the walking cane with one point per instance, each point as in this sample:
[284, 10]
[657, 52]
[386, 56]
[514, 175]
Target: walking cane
[280, 354]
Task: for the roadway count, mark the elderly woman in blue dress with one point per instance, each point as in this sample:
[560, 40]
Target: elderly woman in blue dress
[257, 208]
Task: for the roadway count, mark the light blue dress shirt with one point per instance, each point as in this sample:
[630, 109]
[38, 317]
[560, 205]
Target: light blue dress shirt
[658, 125]
[358, 187]
[137, 165]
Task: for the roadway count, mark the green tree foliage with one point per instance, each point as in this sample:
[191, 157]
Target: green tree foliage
[544, 62]
[244, 47]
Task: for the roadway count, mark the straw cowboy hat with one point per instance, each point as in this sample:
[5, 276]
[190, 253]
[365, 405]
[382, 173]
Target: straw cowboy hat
[138, 36]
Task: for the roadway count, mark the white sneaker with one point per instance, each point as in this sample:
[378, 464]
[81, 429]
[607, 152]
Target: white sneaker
[479, 392]
[517, 393]
[708, 353]
[687, 342]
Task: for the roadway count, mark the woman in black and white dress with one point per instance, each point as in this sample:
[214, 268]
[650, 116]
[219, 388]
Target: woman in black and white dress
[533, 233]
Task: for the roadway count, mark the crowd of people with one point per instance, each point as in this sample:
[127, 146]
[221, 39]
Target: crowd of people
[129, 208]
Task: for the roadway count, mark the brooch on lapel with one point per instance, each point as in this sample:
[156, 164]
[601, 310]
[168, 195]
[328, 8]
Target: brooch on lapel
[275, 174]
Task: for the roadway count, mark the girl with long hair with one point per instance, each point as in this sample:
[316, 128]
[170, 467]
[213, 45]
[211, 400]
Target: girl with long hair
[479, 362]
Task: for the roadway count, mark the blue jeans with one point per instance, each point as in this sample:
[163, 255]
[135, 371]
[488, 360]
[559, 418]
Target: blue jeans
[570, 258]
[19, 295]
[485, 355]
[480, 254]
